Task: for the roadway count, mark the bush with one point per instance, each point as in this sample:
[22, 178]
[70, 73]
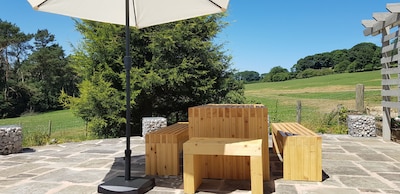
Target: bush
[333, 122]
[369, 67]
[280, 77]
[314, 72]
[307, 74]
[351, 68]
[36, 138]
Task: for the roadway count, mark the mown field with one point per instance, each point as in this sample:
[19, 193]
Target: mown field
[57, 126]
[319, 96]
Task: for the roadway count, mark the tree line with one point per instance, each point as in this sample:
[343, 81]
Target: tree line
[361, 57]
[174, 66]
[33, 70]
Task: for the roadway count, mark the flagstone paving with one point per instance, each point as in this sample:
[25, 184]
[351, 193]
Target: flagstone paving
[350, 165]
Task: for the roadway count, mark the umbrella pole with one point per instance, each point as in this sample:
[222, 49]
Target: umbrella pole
[126, 184]
[128, 65]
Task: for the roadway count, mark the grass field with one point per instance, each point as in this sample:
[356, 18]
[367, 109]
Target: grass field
[319, 96]
[59, 126]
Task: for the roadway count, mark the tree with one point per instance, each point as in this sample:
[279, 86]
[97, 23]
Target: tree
[248, 76]
[352, 67]
[339, 56]
[341, 67]
[307, 73]
[304, 63]
[277, 73]
[283, 76]
[46, 73]
[363, 54]
[13, 49]
[175, 66]
[323, 60]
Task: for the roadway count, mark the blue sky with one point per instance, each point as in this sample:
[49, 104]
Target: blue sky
[262, 34]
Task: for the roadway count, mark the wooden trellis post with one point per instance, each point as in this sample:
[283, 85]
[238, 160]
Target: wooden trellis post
[387, 24]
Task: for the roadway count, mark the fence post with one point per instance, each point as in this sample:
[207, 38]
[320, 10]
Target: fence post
[339, 109]
[360, 98]
[298, 111]
[86, 128]
[49, 128]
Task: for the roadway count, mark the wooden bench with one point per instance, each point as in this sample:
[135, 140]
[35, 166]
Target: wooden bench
[163, 148]
[197, 146]
[301, 151]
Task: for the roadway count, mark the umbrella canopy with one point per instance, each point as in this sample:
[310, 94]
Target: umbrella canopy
[143, 13]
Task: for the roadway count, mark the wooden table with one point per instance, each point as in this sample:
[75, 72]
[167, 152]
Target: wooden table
[230, 121]
[196, 147]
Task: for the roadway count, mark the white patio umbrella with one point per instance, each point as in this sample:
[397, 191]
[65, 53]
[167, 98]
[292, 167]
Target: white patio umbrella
[139, 14]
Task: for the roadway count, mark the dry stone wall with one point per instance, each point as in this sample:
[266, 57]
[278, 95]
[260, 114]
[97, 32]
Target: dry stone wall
[361, 125]
[10, 139]
[150, 124]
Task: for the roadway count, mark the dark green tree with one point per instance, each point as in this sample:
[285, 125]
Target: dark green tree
[341, 67]
[363, 54]
[248, 76]
[362, 57]
[14, 45]
[175, 66]
[323, 60]
[46, 73]
[277, 73]
[339, 56]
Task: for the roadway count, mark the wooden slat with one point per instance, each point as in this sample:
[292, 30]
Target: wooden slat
[378, 26]
[163, 148]
[391, 36]
[392, 20]
[390, 48]
[390, 59]
[368, 23]
[390, 93]
[393, 7]
[382, 20]
[294, 128]
[391, 104]
[389, 82]
[395, 70]
[367, 31]
[380, 16]
[223, 146]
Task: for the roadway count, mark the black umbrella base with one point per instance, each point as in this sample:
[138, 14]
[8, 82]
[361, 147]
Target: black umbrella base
[118, 184]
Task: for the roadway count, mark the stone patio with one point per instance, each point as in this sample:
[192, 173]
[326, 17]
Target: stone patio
[350, 165]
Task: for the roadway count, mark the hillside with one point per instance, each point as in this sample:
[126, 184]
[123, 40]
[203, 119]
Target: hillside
[318, 95]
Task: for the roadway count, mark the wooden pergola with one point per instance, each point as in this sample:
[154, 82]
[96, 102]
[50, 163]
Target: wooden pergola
[387, 24]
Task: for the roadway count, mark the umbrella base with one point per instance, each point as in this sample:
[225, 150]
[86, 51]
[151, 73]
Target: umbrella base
[118, 184]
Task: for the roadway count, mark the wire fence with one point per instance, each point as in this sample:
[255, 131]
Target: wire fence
[39, 132]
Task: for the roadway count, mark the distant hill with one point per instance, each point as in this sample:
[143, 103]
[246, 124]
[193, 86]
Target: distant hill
[319, 96]
[360, 58]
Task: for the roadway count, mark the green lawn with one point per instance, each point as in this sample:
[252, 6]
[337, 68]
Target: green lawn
[60, 126]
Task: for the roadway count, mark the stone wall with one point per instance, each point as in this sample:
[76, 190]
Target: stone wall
[150, 124]
[361, 125]
[10, 139]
